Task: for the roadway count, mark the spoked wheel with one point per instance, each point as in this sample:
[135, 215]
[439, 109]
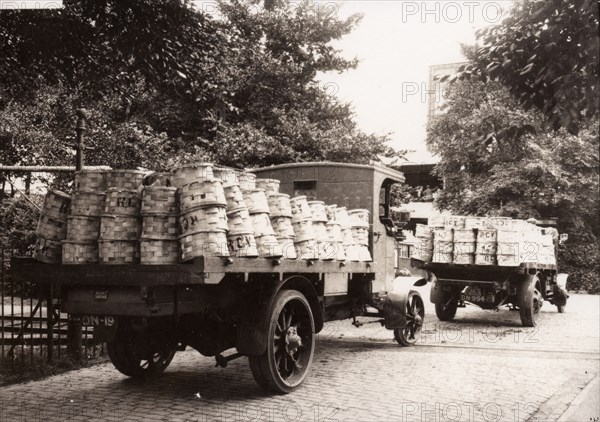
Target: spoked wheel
[290, 347]
[446, 311]
[415, 315]
[530, 312]
[136, 364]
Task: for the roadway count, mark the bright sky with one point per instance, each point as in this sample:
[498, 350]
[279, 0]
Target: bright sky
[396, 42]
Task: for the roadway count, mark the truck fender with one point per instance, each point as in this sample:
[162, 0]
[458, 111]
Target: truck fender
[436, 293]
[251, 336]
[560, 289]
[395, 305]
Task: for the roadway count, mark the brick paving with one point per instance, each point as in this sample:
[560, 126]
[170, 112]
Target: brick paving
[482, 367]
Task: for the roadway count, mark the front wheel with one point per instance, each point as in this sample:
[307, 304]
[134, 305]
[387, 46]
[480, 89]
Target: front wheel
[529, 312]
[415, 315]
[290, 345]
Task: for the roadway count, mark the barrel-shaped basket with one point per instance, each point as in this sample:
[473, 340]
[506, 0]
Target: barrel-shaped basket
[270, 186]
[334, 232]
[247, 180]
[282, 226]
[160, 227]
[159, 200]
[317, 209]
[159, 251]
[261, 224]
[320, 231]
[287, 247]
[363, 254]
[226, 175]
[361, 235]
[359, 217]
[51, 228]
[456, 222]
[88, 203]
[124, 179]
[307, 249]
[279, 205]
[464, 248]
[122, 202]
[464, 235]
[300, 208]
[328, 251]
[268, 246]
[256, 201]
[486, 248]
[303, 230]
[443, 234]
[56, 205]
[203, 243]
[441, 257]
[120, 227]
[83, 229]
[487, 235]
[192, 173]
[234, 197]
[485, 259]
[90, 180]
[118, 252]
[212, 218]
[46, 250]
[443, 247]
[463, 258]
[75, 252]
[242, 244]
[201, 194]
[348, 238]
[239, 221]
[342, 217]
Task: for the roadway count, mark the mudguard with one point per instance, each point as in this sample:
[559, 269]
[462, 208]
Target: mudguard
[436, 294]
[560, 294]
[251, 335]
[525, 290]
[394, 307]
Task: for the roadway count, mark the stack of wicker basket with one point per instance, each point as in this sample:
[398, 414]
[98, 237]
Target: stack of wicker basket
[319, 222]
[159, 210]
[52, 227]
[81, 245]
[305, 240]
[281, 220]
[258, 207]
[240, 237]
[360, 232]
[120, 223]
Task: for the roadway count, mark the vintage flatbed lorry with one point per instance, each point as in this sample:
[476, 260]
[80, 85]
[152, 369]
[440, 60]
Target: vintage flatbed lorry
[267, 309]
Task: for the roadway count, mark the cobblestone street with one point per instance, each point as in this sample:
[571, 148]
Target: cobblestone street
[482, 367]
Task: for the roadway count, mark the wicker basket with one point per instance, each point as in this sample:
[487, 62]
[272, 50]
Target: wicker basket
[287, 247]
[247, 180]
[50, 228]
[190, 173]
[201, 194]
[159, 200]
[334, 232]
[242, 244]
[300, 208]
[317, 209]
[227, 176]
[83, 229]
[46, 250]
[159, 252]
[359, 217]
[79, 252]
[234, 198]
[262, 225]
[160, 227]
[124, 179]
[122, 202]
[212, 218]
[320, 231]
[303, 230]
[56, 205]
[282, 226]
[203, 244]
[363, 254]
[119, 227]
[361, 236]
[88, 203]
[268, 246]
[119, 251]
[307, 249]
[239, 221]
[328, 251]
[270, 186]
[90, 180]
[330, 211]
[279, 205]
[256, 201]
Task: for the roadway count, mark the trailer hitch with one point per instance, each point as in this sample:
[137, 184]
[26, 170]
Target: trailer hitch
[223, 360]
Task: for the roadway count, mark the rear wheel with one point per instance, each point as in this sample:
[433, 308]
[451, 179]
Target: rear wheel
[415, 315]
[446, 311]
[290, 344]
[137, 363]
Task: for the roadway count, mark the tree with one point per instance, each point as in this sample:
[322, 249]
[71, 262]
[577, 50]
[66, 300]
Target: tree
[547, 53]
[164, 80]
[528, 171]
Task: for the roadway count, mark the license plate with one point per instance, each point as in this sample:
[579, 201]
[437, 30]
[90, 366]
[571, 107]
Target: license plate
[478, 298]
[98, 320]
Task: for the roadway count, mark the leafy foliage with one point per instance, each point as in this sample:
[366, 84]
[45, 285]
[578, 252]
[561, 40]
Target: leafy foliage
[547, 53]
[165, 81]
